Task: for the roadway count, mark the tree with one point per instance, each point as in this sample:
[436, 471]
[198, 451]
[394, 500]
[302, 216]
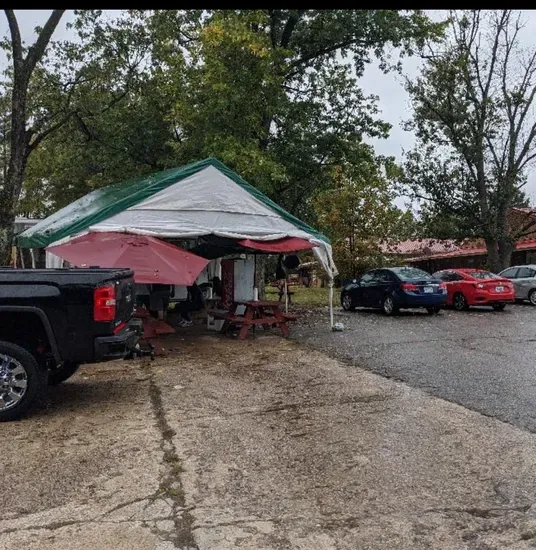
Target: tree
[359, 216]
[23, 140]
[476, 133]
[272, 93]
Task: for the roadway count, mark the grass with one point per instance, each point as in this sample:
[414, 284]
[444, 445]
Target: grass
[306, 297]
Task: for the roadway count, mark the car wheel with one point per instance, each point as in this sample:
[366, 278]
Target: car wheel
[433, 310]
[388, 305]
[346, 302]
[532, 297]
[459, 302]
[21, 381]
[499, 307]
[59, 375]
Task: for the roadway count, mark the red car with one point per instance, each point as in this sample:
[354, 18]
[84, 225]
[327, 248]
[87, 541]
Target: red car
[476, 287]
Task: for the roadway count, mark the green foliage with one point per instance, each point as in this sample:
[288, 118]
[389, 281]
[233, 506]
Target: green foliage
[359, 217]
[272, 93]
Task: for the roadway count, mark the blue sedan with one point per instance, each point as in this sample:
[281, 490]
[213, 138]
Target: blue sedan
[394, 288]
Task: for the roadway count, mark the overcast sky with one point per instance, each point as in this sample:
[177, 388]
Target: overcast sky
[393, 99]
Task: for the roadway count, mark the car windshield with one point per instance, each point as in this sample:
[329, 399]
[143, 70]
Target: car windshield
[410, 273]
[483, 275]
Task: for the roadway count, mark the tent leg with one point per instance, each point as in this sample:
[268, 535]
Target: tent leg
[330, 284]
[32, 255]
[22, 258]
[286, 296]
[15, 254]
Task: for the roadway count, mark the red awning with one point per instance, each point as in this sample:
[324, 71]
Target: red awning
[279, 246]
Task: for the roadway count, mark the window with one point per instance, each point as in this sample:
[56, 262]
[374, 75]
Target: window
[366, 279]
[483, 275]
[525, 273]
[448, 276]
[410, 273]
[383, 277]
[510, 273]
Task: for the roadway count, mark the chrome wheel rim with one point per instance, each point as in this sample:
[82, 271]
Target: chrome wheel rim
[459, 302]
[346, 302]
[13, 382]
[532, 298]
[388, 305]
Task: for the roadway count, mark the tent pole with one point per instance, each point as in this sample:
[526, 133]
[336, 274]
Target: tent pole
[15, 253]
[22, 258]
[330, 284]
[32, 255]
[286, 295]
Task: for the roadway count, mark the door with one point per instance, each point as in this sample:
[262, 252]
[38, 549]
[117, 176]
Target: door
[361, 293]
[379, 287]
[511, 273]
[524, 282]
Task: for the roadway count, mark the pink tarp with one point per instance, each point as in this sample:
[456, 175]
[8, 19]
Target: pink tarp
[152, 260]
[279, 246]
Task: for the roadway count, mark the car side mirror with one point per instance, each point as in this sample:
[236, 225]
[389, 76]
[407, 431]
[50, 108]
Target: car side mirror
[354, 281]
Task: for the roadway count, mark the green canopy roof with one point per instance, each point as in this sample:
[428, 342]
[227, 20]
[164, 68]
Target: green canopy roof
[109, 201]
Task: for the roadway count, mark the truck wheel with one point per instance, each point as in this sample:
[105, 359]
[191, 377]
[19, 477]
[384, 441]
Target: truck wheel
[22, 382]
[59, 375]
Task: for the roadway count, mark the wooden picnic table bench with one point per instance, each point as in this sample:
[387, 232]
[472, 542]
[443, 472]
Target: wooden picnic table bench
[261, 312]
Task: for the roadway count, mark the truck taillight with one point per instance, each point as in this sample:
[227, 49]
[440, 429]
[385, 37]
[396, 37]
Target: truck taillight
[104, 303]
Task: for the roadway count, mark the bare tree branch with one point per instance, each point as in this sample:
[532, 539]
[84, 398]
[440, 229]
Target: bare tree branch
[36, 51]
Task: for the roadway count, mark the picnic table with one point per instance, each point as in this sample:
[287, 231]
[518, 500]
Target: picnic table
[257, 313]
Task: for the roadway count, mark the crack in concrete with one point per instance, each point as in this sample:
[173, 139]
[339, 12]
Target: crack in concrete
[485, 513]
[295, 406]
[171, 484]
[67, 523]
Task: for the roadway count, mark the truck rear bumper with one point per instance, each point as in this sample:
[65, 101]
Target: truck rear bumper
[116, 347]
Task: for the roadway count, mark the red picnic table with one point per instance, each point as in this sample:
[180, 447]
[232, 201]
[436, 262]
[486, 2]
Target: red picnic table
[259, 312]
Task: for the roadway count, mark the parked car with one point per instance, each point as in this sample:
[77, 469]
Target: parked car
[476, 287]
[524, 279]
[394, 288]
[53, 320]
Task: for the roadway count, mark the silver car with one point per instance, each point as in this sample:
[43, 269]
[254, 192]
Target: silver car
[524, 279]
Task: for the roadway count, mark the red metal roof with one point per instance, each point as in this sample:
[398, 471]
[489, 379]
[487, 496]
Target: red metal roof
[463, 252]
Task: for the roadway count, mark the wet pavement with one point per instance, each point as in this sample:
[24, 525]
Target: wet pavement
[481, 359]
[260, 445]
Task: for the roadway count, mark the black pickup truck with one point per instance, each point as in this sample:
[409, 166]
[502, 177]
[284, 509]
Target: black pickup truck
[53, 320]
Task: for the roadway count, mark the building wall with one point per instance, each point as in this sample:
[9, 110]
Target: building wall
[520, 257]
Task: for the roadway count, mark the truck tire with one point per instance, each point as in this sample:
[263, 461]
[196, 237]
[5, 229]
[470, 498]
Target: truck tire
[59, 375]
[22, 382]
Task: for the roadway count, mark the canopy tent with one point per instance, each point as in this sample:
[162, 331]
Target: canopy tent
[200, 199]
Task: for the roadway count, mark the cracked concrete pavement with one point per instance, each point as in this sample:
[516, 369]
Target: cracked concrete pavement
[257, 445]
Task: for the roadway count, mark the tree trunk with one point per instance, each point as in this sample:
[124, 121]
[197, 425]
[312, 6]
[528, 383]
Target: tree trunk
[505, 253]
[11, 190]
[494, 262]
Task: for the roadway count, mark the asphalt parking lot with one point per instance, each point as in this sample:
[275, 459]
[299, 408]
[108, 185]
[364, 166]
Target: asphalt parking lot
[481, 359]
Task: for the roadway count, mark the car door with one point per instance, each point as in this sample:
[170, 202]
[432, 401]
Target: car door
[380, 286]
[366, 285]
[524, 282]
[511, 273]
